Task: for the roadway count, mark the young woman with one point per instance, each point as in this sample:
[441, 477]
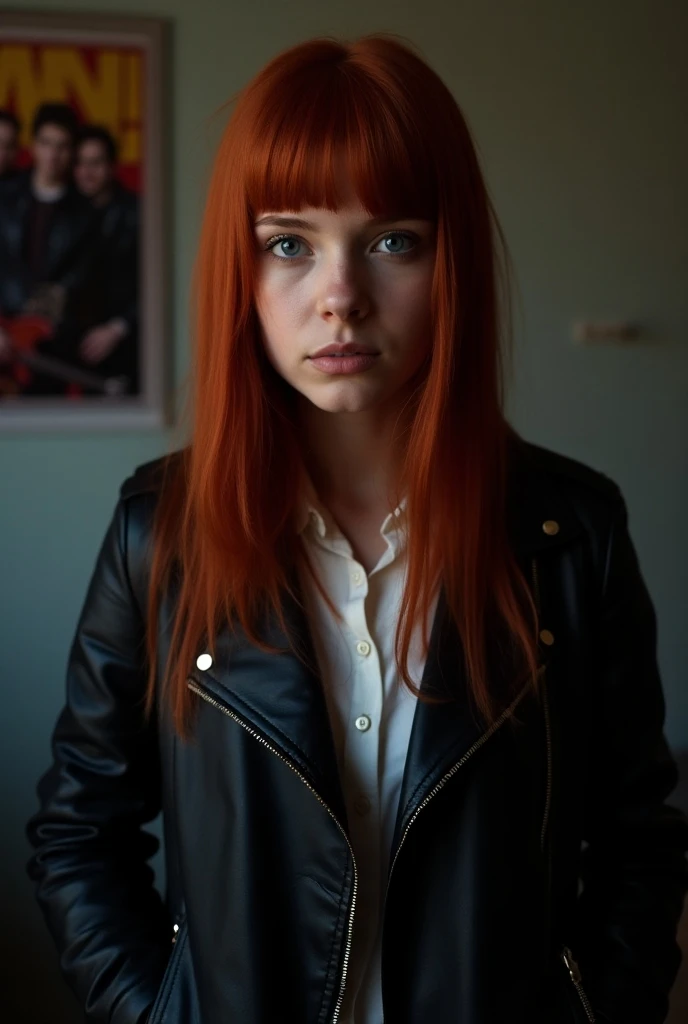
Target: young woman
[387, 669]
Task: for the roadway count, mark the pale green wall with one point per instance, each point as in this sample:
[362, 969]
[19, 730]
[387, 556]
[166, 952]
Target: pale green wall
[579, 111]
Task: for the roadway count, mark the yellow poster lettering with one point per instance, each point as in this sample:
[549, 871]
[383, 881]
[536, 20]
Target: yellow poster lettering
[106, 90]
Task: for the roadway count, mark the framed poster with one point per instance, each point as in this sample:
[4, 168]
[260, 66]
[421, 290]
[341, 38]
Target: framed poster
[83, 203]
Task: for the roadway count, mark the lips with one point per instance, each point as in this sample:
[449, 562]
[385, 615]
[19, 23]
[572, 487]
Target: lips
[350, 348]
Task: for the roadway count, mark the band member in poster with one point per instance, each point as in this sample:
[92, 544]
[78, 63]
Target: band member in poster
[110, 347]
[49, 238]
[10, 128]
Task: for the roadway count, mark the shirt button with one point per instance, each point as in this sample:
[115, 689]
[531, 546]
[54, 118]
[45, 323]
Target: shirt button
[362, 723]
[547, 637]
[356, 576]
[362, 804]
[363, 647]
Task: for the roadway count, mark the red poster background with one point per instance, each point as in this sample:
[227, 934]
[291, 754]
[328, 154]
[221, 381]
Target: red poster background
[103, 83]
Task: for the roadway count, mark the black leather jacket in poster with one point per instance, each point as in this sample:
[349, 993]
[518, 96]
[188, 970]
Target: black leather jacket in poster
[545, 833]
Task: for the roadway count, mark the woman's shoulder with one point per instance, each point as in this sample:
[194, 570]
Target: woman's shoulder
[148, 477]
[553, 498]
[540, 469]
[541, 480]
[135, 514]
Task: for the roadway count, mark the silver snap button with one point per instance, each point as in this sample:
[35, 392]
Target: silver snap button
[363, 647]
[204, 661]
[362, 723]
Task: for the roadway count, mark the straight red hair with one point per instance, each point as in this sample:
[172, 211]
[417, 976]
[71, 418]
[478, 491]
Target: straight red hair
[226, 511]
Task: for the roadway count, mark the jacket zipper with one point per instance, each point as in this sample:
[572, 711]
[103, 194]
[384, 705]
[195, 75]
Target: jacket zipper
[459, 764]
[575, 975]
[177, 950]
[193, 685]
[452, 771]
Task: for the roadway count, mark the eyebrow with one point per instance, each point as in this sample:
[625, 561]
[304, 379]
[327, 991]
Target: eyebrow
[298, 222]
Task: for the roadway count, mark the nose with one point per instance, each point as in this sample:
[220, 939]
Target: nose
[343, 297]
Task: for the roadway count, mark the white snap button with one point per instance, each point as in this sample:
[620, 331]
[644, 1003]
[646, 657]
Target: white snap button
[362, 723]
[362, 804]
[363, 647]
[204, 661]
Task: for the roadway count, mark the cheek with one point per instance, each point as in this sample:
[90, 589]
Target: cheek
[409, 310]
[280, 311]
[276, 336]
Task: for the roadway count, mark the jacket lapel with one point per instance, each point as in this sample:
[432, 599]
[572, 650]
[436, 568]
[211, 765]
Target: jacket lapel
[279, 697]
[283, 700]
[445, 734]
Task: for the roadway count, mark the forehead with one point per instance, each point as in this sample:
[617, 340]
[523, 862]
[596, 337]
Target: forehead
[93, 149]
[53, 133]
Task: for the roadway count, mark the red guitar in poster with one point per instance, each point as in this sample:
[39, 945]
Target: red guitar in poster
[25, 331]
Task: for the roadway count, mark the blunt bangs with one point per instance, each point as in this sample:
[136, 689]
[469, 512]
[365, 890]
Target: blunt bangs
[335, 126]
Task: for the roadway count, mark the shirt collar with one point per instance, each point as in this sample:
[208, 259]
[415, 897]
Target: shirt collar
[311, 509]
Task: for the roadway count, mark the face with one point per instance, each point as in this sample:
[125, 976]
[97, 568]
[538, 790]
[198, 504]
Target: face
[52, 152]
[8, 146]
[345, 278]
[92, 169]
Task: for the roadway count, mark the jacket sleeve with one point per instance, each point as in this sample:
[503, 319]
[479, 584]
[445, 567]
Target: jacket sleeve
[634, 871]
[89, 867]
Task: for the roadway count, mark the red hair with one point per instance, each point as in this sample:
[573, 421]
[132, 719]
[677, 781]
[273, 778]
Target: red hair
[227, 508]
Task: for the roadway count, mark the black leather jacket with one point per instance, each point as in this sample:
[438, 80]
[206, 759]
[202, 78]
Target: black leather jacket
[546, 832]
[72, 243]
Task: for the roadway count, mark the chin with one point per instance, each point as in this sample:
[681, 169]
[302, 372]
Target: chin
[344, 398]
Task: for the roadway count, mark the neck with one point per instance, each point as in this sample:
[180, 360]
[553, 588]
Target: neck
[47, 184]
[354, 459]
[103, 197]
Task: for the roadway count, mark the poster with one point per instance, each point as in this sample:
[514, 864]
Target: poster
[82, 190]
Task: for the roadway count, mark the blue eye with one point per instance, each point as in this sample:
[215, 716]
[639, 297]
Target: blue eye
[280, 238]
[396, 234]
[290, 258]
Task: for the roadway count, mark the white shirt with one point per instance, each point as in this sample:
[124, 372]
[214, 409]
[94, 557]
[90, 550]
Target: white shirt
[371, 712]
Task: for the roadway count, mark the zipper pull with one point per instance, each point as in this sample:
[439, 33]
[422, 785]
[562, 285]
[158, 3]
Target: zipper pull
[571, 965]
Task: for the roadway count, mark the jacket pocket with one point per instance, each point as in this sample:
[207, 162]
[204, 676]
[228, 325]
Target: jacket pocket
[176, 998]
[576, 983]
